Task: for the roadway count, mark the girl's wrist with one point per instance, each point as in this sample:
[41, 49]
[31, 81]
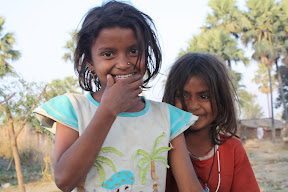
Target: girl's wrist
[107, 111]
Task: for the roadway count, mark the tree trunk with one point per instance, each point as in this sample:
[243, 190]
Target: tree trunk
[268, 104]
[272, 111]
[281, 91]
[16, 156]
[229, 64]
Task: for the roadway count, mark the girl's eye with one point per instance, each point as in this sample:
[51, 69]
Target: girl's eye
[186, 96]
[134, 51]
[107, 54]
[204, 97]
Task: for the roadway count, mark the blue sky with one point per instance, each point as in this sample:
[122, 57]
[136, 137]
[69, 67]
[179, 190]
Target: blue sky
[41, 29]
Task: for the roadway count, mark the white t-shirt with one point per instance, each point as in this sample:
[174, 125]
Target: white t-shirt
[133, 142]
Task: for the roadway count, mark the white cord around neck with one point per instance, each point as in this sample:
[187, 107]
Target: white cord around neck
[218, 160]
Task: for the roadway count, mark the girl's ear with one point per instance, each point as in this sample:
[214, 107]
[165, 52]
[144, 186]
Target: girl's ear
[90, 66]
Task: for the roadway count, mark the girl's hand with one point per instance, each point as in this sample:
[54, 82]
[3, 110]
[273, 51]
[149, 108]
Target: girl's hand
[123, 95]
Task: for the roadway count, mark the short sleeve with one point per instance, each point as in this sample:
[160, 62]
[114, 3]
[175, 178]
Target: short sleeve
[58, 109]
[180, 121]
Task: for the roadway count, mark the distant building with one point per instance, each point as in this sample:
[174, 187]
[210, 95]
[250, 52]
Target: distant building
[248, 128]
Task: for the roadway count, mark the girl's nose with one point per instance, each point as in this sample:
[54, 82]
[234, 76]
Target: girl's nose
[123, 63]
[193, 104]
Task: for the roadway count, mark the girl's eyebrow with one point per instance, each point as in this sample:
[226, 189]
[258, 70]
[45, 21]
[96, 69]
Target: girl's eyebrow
[133, 46]
[112, 48]
[204, 92]
[105, 48]
[201, 92]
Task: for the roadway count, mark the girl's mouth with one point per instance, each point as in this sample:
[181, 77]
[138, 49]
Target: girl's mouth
[119, 77]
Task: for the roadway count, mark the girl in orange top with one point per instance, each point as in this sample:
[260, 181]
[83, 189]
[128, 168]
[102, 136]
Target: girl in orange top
[200, 84]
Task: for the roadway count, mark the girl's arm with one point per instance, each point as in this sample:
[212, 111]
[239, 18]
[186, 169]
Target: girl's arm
[182, 167]
[73, 155]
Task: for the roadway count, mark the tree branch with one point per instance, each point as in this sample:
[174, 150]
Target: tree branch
[7, 99]
[2, 107]
[27, 115]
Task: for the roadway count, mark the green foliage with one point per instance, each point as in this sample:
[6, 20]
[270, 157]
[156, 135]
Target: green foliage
[7, 53]
[262, 78]
[19, 98]
[30, 174]
[216, 42]
[266, 31]
[59, 87]
[70, 47]
[284, 74]
[236, 78]
[225, 16]
[249, 108]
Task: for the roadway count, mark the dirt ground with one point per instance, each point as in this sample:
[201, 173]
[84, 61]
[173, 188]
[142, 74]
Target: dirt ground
[269, 162]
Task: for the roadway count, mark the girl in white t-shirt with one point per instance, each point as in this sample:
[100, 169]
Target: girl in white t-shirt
[112, 139]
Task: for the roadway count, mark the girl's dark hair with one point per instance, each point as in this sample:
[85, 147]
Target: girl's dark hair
[222, 93]
[110, 15]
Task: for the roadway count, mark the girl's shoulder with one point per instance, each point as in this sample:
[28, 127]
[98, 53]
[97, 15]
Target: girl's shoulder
[234, 146]
[61, 109]
[231, 141]
[67, 101]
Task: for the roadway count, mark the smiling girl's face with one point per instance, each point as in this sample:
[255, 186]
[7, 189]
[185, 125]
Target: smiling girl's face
[197, 99]
[115, 52]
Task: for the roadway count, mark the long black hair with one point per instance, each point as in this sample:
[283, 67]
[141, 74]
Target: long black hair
[222, 93]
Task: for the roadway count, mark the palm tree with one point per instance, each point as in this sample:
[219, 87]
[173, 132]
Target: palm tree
[149, 159]
[225, 16]
[262, 78]
[282, 39]
[7, 53]
[70, 47]
[279, 102]
[219, 43]
[263, 17]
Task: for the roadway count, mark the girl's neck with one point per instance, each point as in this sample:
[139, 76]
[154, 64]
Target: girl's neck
[200, 143]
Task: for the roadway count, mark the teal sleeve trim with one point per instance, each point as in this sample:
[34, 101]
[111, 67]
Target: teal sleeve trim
[61, 109]
[180, 121]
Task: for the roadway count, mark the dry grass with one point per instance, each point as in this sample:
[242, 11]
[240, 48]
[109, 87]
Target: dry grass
[269, 162]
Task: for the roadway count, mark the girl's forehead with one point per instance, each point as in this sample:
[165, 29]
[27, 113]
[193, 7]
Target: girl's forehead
[117, 31]
[196, 79]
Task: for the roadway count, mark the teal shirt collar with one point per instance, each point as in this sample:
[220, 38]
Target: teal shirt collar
[125, 114]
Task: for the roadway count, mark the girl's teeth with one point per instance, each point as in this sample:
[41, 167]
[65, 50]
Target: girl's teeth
[123, 76]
